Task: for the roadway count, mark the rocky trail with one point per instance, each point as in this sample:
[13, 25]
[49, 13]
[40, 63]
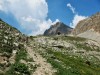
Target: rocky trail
[43, 67]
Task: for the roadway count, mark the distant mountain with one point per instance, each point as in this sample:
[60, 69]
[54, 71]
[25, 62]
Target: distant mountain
[89, 28]
[59, 27]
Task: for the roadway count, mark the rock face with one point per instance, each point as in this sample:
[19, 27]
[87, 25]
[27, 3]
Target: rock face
[89, 28]
[58, 28]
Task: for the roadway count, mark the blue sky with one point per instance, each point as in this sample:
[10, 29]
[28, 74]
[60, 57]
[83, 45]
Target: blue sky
[59, 9]
[33, 17]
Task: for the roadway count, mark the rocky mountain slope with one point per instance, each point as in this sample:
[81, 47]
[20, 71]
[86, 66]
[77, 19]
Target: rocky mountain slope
[17, 56]
[58, 28]
[89, 28]
[12, 50]
[46, 55]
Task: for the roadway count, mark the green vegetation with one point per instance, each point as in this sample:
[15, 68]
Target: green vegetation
[18, 69]
[22, 54]
[71, 65]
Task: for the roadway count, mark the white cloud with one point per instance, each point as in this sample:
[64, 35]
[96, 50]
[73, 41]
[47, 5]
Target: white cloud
[1, 5]
[43, 26]
[31, 14]
[76, 18]
[71, 7]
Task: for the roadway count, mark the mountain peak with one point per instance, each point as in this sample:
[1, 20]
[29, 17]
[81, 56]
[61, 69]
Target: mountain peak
[58, 27]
